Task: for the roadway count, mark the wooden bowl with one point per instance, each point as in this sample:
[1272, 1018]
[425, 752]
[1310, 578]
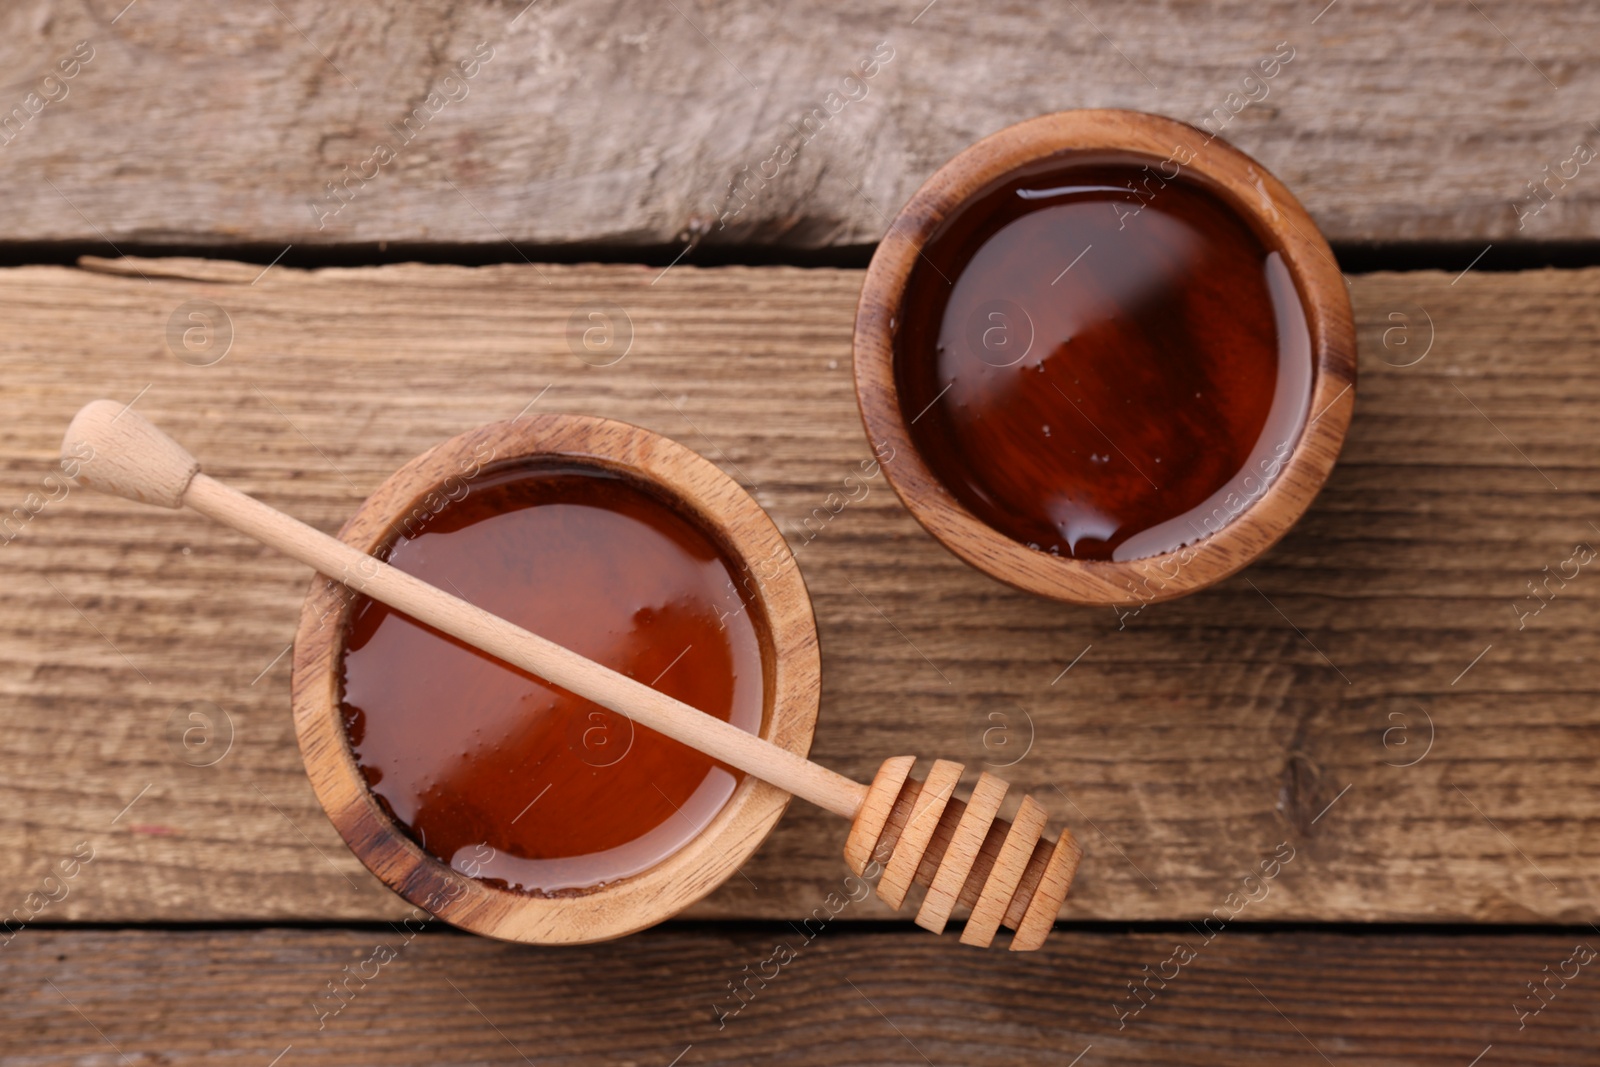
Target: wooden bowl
[1258, 198]
[784, 623]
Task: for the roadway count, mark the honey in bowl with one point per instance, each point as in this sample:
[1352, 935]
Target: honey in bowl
[504, 776]
[1100, 358]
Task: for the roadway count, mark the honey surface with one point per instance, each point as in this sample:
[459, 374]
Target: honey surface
[1101, 359]
[504, 776]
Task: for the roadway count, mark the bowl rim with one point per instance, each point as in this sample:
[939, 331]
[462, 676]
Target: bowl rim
[775, 589]
[1258, 197]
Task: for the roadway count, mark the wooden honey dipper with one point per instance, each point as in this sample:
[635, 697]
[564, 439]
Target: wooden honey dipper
[1009, 874]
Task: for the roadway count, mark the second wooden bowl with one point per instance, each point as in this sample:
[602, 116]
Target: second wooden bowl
[1262, 202]
[697, 490]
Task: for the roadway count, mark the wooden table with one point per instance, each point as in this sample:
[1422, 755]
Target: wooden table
[1377, 698]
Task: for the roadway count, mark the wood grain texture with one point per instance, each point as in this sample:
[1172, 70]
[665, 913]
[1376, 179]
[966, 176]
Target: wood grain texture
[843, 998]
[867, 827]
[640, 124]
[961, 853]
[912, 837]
[1188, 741]
[1005, 873]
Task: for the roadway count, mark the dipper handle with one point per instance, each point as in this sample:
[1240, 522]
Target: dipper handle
[117, 451]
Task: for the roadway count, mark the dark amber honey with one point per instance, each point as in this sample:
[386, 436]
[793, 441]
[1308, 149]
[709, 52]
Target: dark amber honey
[1100, 358]
[510, 779]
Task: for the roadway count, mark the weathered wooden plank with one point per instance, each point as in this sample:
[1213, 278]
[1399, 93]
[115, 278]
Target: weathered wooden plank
[640, 124]
[845, 997]
[1190, 739]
